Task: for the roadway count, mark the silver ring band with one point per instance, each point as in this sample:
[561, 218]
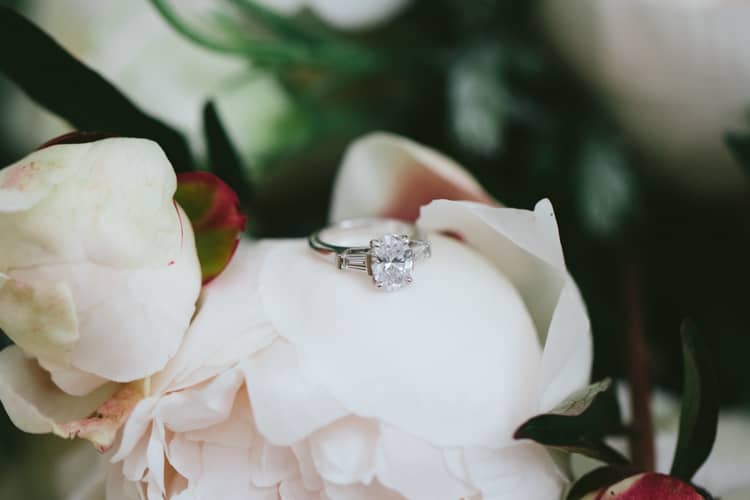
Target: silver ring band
[385, 249]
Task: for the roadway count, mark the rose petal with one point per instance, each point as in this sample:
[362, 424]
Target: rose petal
[391, 176]
[426, 359]
[415, 469]
[294, 489]
[287, 406]
[213, 208]
[33, 403]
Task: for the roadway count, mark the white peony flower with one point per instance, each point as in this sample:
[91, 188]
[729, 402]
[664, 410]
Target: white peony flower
[163, 73]
[297, 381]
[344, 14]
[98, 273]
[676, 73]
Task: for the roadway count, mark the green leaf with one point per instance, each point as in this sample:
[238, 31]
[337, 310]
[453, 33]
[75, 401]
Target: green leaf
[574, 426]
[65, 86]
[225, 161]
[700, 406]
[739, 146]
[598, 479]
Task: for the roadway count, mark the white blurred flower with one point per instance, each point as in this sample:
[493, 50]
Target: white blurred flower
[676, 73]
[98, 274]
[299, 381]
[167, 76]
[344, 14]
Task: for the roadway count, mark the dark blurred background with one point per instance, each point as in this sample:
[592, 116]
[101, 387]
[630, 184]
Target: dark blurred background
[621, 123]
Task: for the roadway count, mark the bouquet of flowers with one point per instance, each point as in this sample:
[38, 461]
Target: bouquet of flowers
[243, 264]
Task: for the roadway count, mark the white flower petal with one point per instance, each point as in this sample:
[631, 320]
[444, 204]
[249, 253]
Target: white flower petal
[287, 406]
[237, 430]
[136, 427]
[426, 359]
[415, 469]
[39, 317]
[391, 176]
[33, 403]
[344, 451]
[568, 351]
[309, 474]
[523, 245]
[230, 324]
[269, 464]
[202, 407]
[523, 470]
[294, 489]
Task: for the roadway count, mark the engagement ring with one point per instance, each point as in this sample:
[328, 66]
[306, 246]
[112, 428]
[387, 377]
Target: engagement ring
[389, 257]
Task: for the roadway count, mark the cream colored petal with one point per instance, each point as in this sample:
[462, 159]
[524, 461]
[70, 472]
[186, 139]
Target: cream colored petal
[39, 317]
[96, 214]
[416, 469]
[427, 358]
[230, 324]
[308, 472]
[269, 465]
[344, 451]
[237, 430]
[568, 351]
[523, 245]
[356, 15]
[33, 403]
[287, 406]
[388, 175]
[523, 470]
[201, 407]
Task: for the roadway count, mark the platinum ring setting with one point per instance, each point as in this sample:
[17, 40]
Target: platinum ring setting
[388, 258]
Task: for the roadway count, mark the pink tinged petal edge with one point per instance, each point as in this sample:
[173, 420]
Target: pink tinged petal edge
[387, 175]
[101, 428]
[382, 369]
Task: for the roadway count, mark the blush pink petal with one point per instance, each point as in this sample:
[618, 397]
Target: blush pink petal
[390, 176]
[287, 406]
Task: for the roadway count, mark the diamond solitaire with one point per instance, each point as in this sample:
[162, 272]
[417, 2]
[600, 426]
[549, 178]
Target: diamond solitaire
[389, 259]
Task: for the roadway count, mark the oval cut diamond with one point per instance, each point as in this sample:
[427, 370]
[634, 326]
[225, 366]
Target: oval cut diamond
[391, 261]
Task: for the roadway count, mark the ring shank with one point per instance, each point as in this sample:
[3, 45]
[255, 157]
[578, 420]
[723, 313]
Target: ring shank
[354, 235]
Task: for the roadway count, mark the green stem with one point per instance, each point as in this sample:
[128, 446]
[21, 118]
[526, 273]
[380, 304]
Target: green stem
[345, 58]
